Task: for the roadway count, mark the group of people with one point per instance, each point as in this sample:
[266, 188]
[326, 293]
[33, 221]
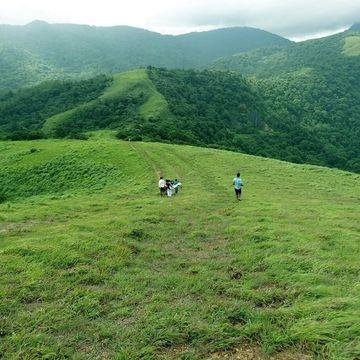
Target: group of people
[169, 187]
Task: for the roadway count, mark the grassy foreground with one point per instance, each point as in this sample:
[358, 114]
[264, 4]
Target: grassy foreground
[94, 264]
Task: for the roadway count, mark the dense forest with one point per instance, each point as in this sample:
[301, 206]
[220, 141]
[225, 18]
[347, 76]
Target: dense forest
[24, 112]
[40, 51]
[264, 118]
[316, 85]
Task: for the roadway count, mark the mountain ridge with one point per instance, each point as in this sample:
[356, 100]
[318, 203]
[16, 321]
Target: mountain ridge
[83, 51]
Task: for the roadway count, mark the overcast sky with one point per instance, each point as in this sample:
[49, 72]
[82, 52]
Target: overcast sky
[296, 19]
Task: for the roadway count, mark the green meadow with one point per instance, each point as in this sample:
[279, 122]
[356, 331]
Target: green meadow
[96, 265]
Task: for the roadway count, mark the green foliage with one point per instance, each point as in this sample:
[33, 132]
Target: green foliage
[130, 101]
[56, 176]
[311, 88]
[267, 118]
[352, 45]
[20, 67]
[208, 108]
[117, 272]
[101, 114]
[40, 51]
[24, 112]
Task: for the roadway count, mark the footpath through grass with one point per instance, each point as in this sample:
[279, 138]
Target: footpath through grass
[97, 265]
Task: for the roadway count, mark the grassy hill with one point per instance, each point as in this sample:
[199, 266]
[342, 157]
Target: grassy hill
[204, 108]
[124, 85]
[40, 51]
[96, 265]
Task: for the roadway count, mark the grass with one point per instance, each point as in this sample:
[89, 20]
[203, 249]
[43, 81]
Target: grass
[97, 265]
[352, 46]
[136, 81]
[127, 83]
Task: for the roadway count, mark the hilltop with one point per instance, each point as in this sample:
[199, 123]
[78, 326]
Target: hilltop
[204, 108]
[96, 265]
[40, 51]
[320, 55]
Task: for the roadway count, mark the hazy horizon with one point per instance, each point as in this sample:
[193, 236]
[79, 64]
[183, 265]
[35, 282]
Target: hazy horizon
[187, 31]
[296, 20]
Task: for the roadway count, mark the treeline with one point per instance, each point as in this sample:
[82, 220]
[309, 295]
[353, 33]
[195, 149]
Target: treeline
[263, 118]
[40, 51]
[24, 112]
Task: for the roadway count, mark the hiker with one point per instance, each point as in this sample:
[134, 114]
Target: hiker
[162, 186]
[237, 182]
[169, 188]
[176, 185]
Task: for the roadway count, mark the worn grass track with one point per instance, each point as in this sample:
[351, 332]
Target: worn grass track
[102, 267]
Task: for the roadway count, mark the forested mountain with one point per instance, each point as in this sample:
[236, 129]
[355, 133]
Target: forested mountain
[40, 51]
[314, 85]
[356, 27]
[204, 108]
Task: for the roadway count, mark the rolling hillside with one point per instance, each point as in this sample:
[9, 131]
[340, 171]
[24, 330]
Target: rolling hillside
[40, 51]
[204, 108]
[94, 264]
[315, 84]
[321, 55]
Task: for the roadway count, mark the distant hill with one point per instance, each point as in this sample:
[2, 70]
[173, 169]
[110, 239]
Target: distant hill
[40, 51]
[204, 108]
[315, 84]
[356, 27]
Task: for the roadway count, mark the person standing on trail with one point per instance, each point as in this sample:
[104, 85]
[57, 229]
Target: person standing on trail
[169, 188]
[162, 186]
[176, 185]
[238, 184]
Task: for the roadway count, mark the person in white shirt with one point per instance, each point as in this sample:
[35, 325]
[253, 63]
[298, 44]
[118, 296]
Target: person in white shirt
[162, 186]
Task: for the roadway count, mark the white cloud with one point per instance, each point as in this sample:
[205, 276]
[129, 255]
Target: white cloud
[295, 18]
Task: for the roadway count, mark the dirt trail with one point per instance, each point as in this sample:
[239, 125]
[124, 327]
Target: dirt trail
[142, 153]
[153, 163]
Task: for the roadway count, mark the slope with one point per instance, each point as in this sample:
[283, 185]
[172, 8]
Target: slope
[320, 54]
[96, 265]
[133, 84]
[206, 108]
[356, 27]
[23, 113]
[85, 51]
[315, 84]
